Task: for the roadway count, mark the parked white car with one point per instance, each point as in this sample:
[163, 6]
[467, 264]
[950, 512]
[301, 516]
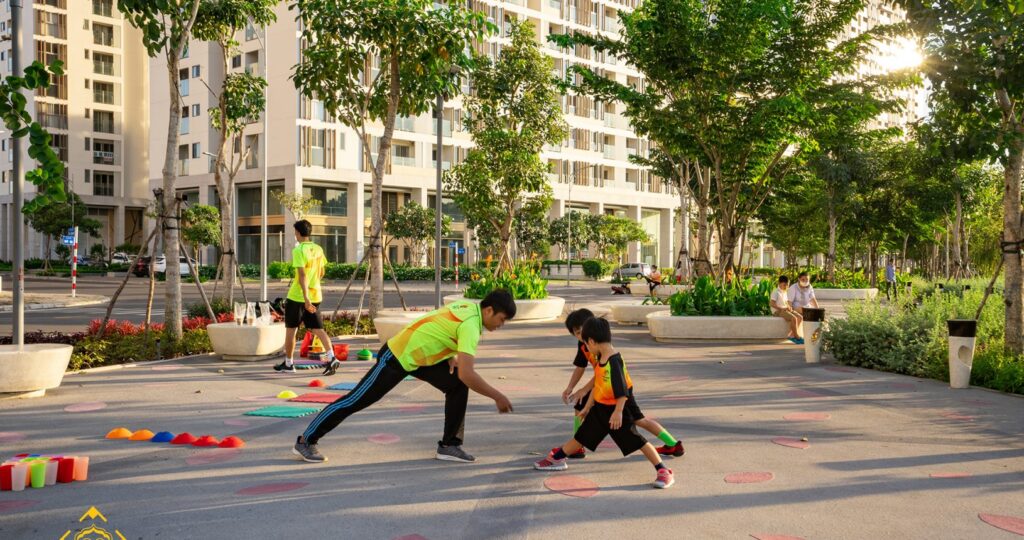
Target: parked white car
[161, 265]
[121, 258]
[633, 270]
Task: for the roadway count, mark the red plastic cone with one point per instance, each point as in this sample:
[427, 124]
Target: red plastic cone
[231, 442]
[184, 438]
[206, 440]
[316, 383]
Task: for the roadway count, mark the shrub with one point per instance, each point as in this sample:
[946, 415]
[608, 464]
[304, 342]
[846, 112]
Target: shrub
[740, 299]
[523, 282]
[33, 264]
[596, 269]
[219, 304]
[280, 270]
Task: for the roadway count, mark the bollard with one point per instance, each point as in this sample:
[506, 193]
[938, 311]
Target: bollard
[813, 317]
[962, 334]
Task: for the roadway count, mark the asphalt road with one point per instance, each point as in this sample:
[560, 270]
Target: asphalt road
[131, 305]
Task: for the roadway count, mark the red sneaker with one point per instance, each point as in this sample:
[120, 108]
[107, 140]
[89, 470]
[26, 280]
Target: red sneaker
[551, 464]
[675, 451]
[664, 479]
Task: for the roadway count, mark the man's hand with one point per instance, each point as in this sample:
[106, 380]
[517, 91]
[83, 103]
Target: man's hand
[616, 421]
[565, 395]
[310, 307]
[503, 404]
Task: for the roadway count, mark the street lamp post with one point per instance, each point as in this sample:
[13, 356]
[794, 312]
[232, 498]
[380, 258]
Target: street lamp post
[263, 181]
[439, 111]
[18, 231]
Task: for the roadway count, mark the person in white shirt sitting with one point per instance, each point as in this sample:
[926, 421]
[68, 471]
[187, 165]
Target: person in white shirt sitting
[802, 295]
[781, 308]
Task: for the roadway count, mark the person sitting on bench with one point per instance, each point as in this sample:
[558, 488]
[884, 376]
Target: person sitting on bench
[653, 280]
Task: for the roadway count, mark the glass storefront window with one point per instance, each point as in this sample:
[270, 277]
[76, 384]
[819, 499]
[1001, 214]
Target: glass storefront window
[332, 240]
[249, 201]
[334, 200]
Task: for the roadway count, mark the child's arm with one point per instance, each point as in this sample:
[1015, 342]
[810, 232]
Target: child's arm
[586, 408]
[616, 421]
[577, 374]
[578, 395]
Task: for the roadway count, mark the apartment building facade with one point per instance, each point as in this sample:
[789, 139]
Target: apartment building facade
[311, 153]
[97, 113]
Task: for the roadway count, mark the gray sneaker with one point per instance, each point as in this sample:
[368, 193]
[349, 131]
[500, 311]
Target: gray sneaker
[308, 452]
[453, 453]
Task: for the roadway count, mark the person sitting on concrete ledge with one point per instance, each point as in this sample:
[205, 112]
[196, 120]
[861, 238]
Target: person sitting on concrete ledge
[781, 308]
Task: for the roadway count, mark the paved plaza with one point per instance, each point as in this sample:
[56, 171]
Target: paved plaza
[885, 456]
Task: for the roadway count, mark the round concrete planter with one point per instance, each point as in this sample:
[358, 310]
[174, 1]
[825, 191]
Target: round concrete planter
[845, 294]
[634, 313]
[389, 323]
[243, 342]
[641, 288]
[665, 327]
[527, 310]
[559, 271]
[31, 370]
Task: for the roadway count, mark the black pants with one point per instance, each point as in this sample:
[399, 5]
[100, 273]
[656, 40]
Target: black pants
[890, 287]
[380, 380]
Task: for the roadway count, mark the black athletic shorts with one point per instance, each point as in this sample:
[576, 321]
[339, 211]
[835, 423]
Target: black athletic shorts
[631, 406]
[295, 313]
[595, 428]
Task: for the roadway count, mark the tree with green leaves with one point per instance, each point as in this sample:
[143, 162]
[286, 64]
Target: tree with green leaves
[974, 54]
[735, 86]
[200, 227]
[615, 234]
[54, 218]
[372, 60]
[531, 229]
[240, 99]
[571, 232]
[514, 112]
[298, 204]
[415, 225]
[166, 27]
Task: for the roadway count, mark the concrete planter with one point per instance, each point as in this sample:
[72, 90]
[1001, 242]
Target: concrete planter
[243, 342]
[527, 310]
[31, 370]
[389, 323]
[634, 313]
[665, 327]
[662, 291]
[845, 294]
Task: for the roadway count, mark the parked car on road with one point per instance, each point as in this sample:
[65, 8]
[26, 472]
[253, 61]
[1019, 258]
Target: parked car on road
[141, 266]
[121, 258]
[633, 270]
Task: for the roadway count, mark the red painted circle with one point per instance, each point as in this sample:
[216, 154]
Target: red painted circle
[167, 367]
[266, 489]
[572, 486]
[750, 477]
[238, 422]
[807, 416]
[15, 506]
[950, 475]
[85, 407]
[11, 436]
[775, 537]
[791, 442]
[1006, 523]
[216, 455]
[384, 438]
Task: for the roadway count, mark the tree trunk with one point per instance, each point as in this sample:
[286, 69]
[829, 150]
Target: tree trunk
[1012, 235]
[830, 257]
[376, 211]
[227, 240]
[957, 224]
[903, 253]
[172, 288]
[873, 263]
[683, 264]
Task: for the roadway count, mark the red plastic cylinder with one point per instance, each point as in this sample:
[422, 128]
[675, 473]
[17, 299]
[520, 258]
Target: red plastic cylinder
[6, 473]
[66, 470]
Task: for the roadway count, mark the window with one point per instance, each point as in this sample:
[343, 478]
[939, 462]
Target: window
[103, 64]
[196, 150]
[103, 152]
[332, 240]
[334, 201]
[59, 143]
[195, 110]
[103, 92]
[103, 8]
[51, 24]
[88, 144]
[46, 53]
[88, 176]
[236, 61]
[249, 201]
[52, 115]
[250, 32]
[103, 34]
[317, 150]
[183, 160]
[448, 208]
[103, 121]
[317, 147]
[183, 82]
[59, 4]
[196, 71]
[103, 184]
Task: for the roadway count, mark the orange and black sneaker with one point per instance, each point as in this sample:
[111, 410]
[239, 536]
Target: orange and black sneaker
[675, 451]
[580, 454]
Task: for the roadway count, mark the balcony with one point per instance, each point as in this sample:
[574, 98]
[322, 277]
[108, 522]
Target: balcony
[405, 161]
[446, 127]
[445, 165]
[53, 121]
[183, 126]
[103, 8]
[183, 87]
[183, 167]
[107, 68]
[103, 96]
[609, 152]
[100, 157]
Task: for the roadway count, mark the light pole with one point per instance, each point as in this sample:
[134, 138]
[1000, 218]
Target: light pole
[18, 232]
[439, 111]
[263, 181]
[568, 254]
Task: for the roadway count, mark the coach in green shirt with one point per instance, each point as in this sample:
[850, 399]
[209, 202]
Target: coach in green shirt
[438, 348]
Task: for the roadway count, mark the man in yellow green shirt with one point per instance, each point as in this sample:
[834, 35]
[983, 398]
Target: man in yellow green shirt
[302, 306]
[439, 348]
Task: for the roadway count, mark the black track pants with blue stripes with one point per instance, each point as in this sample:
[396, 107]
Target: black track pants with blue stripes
[380, 380]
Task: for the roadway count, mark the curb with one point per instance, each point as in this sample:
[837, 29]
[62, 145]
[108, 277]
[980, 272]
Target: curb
[37, 307]
[101, 369]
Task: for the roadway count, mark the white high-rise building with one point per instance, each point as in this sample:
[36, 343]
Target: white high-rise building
[311, 153]
[97, 113]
